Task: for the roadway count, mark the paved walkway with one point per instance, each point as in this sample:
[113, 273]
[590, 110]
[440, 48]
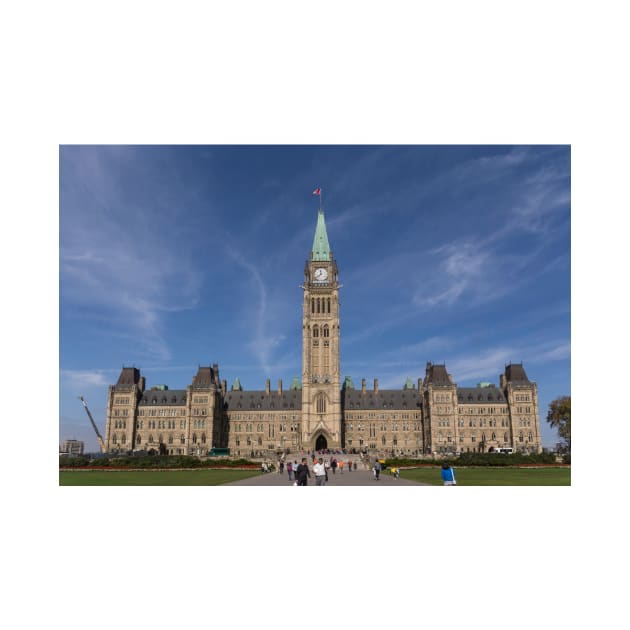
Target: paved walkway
[354, 478]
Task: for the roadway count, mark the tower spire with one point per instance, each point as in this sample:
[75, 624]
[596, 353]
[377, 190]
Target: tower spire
[321, 247]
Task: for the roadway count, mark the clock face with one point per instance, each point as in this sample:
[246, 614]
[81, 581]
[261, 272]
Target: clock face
[320, 274]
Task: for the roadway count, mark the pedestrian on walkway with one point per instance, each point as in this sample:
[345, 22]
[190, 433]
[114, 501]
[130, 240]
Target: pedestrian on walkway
[448, 475]
[341, 466]
[377, 469]
[289, 469]
[303, 473]
[320, 472]
[333, 465]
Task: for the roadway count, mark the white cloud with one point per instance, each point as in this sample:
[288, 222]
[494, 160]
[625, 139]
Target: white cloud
[87, 378]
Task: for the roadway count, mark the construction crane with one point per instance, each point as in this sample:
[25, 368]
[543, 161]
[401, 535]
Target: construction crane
[98, 435]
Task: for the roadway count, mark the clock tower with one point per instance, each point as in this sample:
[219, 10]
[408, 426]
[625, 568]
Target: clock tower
[321, 380]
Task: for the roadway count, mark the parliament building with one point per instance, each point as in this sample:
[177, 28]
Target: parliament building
[432, 416]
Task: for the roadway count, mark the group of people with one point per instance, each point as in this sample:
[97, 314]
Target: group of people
[301, 473]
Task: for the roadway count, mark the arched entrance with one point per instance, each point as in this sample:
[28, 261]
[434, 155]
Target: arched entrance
[321, 443]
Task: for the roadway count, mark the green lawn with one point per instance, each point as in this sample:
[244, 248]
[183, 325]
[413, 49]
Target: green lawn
[491, 476]
[152, 477]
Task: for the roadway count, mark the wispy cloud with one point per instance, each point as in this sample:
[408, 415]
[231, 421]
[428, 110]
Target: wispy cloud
[87, 378]
[262, 344]
[118, 256]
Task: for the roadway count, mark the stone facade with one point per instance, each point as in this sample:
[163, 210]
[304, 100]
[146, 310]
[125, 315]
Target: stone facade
[319, 412]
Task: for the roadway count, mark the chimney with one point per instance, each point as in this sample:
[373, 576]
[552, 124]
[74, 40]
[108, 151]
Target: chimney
[363, 386]
[224, 386]
[376, 386]
[419, 384]
[279, 387]
[267, 387]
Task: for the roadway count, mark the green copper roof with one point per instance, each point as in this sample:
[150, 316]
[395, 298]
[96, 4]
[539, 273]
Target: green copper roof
[408, 384]
[237, 387]
[321, 248]
[295, 383]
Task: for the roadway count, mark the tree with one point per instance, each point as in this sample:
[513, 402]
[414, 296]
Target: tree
[559, 417]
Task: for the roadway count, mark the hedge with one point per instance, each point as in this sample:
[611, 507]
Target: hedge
[153, 461]
[478, 459]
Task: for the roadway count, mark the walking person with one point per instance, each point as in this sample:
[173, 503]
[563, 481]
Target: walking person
[341, 466]
[333, 465]
[320, 473]
[377, 469]
[289, 469]
[448, 475]
[302, 473]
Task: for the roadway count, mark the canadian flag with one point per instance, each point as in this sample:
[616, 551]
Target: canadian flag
[317, 191]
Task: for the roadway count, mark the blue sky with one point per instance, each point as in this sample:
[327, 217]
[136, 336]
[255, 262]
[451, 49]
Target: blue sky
[177, 256]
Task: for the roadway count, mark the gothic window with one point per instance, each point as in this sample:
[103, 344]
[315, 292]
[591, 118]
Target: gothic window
[321, 403]
[182, 439]
[325, 331]
[505, 437]
[123, 439]
[194, 438]
[315, 331]
[151, 439]
[203, 438]
[114, 439]
[329, 305]
[318, 305]
[139, 440]
[312, 305]
[170, 439]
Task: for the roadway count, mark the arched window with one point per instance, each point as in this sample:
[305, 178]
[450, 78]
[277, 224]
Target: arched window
[318, 305]
[325, 331]
[194, 438]
[114, 439]
[123, 439]
[315, 331]
[170, 439]
[139, 440]
[321, 403]
[505, 437]
[203, 438]
[329, 305]
[312, 305]
[182, 439]
[151, 439]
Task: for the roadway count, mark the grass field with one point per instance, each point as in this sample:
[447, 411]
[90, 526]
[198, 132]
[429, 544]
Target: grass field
[482, 476]
[152, 477]
[490, 476]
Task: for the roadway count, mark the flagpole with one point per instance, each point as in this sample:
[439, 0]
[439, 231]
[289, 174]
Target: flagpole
[320, 198]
